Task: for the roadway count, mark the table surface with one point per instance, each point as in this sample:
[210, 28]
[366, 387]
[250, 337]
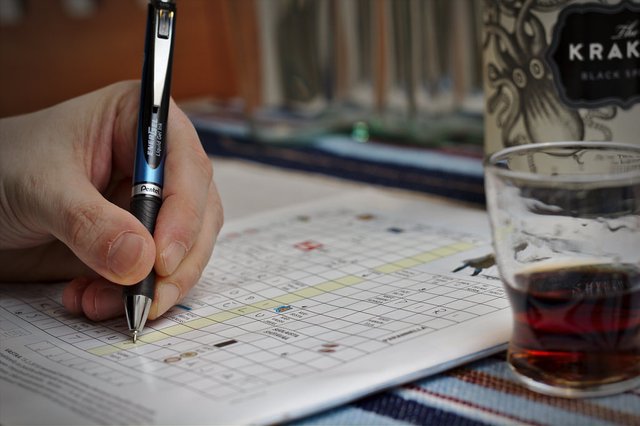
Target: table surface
[482, 392]
[247, 188]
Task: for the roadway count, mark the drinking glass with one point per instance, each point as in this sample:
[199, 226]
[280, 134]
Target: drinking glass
[565, 220]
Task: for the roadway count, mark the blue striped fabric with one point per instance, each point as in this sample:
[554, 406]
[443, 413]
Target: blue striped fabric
[432, 171]
[480, 393]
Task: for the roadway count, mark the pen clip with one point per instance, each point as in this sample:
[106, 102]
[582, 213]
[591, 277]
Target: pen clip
[162, 38]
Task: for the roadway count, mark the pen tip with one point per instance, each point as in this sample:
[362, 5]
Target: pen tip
[135, 336]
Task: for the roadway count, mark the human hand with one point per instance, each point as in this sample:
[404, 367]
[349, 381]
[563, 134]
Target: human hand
[65, 185]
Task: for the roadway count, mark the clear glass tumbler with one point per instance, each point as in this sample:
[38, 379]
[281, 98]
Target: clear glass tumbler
[565, 220]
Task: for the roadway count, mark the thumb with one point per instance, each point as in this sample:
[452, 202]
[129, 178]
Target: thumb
[105, 237]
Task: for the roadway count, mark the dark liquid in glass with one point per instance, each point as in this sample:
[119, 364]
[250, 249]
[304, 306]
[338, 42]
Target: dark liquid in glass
[577, 326]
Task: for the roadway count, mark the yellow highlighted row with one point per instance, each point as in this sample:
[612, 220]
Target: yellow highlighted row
[425, 257]
[286, 299]
[104, 350]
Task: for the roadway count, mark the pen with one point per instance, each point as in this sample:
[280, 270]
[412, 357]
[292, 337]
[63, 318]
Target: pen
[148, 172]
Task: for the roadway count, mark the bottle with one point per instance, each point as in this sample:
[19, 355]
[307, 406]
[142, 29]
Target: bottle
[428, 72]
[304, 66]
[561, 70]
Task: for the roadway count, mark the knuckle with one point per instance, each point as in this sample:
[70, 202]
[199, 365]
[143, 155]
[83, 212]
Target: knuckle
[202, 163]
[191, 221]
[196, 270]
[217, 209]
[81, 224]
[218, 218]
[189, 276]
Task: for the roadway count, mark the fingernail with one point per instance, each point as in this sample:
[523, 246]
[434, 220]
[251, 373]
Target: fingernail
[125, 253]
[168, 295]
[108, 303]
[172, 256]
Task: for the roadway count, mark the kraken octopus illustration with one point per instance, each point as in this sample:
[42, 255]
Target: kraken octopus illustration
[521, 82]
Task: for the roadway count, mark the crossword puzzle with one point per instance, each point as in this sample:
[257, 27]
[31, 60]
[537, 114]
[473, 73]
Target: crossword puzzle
[297, 296]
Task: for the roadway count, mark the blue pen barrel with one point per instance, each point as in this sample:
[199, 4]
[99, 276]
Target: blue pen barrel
[155, 141]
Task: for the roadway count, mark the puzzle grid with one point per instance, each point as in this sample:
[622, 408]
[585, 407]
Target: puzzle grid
[292, 297]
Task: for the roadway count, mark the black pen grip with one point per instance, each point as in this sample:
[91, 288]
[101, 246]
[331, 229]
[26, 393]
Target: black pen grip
[145, 209]
[146, 287]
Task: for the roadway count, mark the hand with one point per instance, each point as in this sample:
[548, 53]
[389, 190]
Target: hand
[65, 184]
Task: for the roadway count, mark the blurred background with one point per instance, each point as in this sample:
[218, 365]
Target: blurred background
[52, 50]
[300, 84]
[399, 69]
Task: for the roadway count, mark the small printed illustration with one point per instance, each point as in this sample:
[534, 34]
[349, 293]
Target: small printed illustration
[478, 264]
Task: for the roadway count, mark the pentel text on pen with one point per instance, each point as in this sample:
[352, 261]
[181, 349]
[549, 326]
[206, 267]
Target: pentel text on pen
[148, 172]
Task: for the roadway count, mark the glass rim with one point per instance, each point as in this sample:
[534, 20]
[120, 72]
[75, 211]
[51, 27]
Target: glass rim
[490, 163]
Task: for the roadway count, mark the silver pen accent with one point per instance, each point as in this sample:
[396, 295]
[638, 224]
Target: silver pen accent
[137, 310]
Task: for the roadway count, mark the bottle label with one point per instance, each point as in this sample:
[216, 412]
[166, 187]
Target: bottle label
[561, 70]
[594, 55]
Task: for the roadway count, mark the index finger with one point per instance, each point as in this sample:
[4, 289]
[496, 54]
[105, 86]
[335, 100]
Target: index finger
[188, 176]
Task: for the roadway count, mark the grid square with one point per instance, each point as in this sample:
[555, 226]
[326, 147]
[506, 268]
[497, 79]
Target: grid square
[329, 286]
[498, 303]
[460, 304]
[340, 312]
[481, 309]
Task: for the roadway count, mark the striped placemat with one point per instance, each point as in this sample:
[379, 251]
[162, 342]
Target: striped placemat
[481, 393]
